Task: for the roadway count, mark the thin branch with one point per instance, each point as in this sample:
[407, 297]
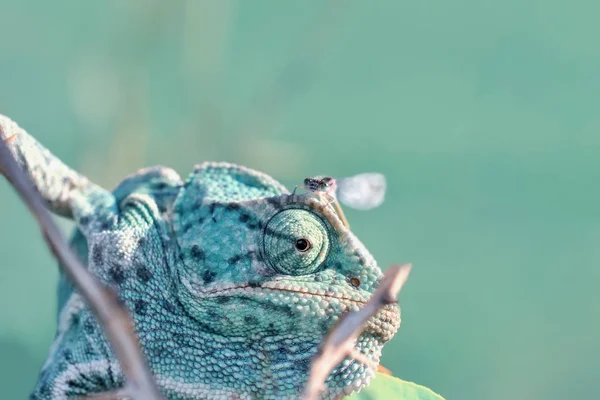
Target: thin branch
[103, 302]
[340, 342]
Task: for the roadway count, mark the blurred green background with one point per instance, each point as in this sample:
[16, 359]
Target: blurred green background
[482, 114]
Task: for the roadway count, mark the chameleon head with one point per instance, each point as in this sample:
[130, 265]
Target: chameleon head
[276, 272]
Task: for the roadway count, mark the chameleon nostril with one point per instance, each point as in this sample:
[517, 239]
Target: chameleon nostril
[355, 282]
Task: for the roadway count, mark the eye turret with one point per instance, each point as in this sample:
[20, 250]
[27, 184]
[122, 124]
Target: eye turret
[296, 242]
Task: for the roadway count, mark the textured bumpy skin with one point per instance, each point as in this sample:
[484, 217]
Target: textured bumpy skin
[224, 303]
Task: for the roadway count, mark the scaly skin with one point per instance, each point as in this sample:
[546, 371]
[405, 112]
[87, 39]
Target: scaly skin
[224, 304]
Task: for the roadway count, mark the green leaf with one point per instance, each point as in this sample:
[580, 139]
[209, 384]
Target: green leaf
[387, 387]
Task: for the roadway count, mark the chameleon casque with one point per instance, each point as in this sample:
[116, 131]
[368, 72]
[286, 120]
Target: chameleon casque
[232, 282]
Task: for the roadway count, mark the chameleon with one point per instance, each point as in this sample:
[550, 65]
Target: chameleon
[232, 281]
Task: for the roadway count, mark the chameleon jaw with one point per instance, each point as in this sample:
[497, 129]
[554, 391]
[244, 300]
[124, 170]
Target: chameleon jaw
[383, 325]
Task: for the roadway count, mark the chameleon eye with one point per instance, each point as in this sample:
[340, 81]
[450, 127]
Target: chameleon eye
[295, 242]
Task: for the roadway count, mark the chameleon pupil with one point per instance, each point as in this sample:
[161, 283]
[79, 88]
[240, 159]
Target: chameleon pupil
[302, 245]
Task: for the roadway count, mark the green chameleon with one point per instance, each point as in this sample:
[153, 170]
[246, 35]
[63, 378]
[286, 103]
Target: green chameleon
[231, 281]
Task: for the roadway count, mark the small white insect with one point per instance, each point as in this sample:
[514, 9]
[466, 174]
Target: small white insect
[361, 192]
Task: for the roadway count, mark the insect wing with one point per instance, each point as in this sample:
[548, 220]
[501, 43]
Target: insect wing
[362, 191]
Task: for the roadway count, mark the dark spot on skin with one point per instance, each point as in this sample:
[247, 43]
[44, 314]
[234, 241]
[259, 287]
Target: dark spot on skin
[162, 207]
[198, 253]
[337, 265]
[75, 319]
[177, 338]
[278, 309]
[106, 225]
[208, 277]
[250, 320]
[212, 315]
[253, 284]
[111, 377]
[84, 220]
[75, 384]
[161, 186]
[214, 220]
[170, 308]
[45, 390]
[116, 274]
[206, 328]
[97, 256]
[258, 225]
[160, 351]
[89, 350]
[140, 307]
[271, 331]
[68, 355]
[187, 226]
[88, 327]
[141, 242]
[362, 261]
[281, 354]
[143, 274]
[234, 259]
[211, 208]
[252, 225]
[233, 207]
[97, 380]
[201, 220]
[222, 299]
[244, 218]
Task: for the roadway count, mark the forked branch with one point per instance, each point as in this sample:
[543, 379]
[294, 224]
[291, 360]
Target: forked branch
[340, 342]
[103, 302]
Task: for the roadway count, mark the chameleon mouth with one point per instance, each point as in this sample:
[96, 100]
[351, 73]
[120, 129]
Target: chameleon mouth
[278, 287]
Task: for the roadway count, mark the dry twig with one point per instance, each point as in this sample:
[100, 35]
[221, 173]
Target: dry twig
[114, 319]
[340, 342]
